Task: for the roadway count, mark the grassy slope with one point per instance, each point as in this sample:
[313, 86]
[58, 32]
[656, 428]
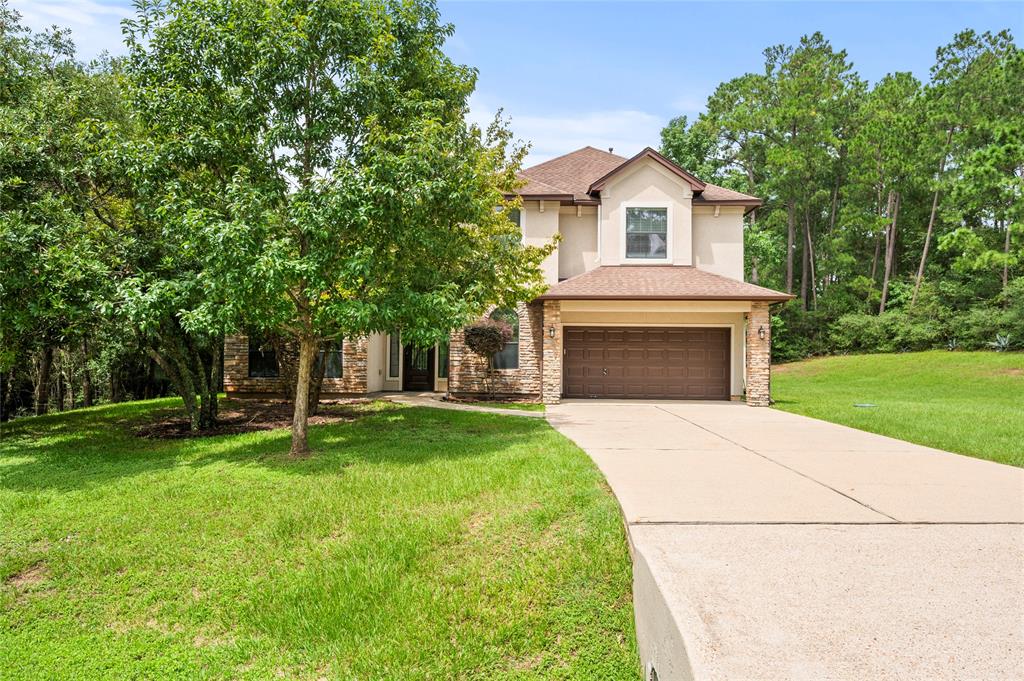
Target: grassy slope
[415, 544]
[966, 402]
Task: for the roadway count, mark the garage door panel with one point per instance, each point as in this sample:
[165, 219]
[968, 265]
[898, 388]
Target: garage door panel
[652, 362]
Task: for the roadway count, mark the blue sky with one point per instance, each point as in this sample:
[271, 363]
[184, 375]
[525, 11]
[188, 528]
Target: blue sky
[611, 74]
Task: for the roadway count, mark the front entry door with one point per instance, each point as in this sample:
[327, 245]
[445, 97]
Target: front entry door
[417, 369]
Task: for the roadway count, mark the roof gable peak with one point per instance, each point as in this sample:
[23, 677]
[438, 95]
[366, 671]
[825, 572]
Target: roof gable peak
[649, 153]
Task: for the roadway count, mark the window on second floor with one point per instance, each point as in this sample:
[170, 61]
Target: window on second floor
[647, 233]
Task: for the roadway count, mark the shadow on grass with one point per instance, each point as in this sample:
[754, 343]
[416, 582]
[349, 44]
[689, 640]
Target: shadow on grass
[93, 447]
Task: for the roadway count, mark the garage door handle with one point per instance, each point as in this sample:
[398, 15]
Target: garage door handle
[604, 372]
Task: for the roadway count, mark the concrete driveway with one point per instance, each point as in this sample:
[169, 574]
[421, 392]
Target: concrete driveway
[768, 545]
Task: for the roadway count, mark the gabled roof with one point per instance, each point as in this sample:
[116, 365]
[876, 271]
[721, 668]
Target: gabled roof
[572, 173]
[695, 184]
[657, 282]
[579, 176]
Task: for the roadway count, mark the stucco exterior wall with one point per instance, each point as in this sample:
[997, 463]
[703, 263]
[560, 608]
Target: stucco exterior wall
[730, 314]
[539, 222]
[376, 350]
[718, 241]
[577, 251]
[646, 185]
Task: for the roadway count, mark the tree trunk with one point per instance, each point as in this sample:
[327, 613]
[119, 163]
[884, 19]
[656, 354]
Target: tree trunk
[43, 386]
[810, 259]
[60, 382]
[790, 238]
[308, 348]
[215, 380]
[890, 249]
[754, 278]
[1006, 252]
[150, 378]
[70, 383]
[86, 376]
[931, 222]
[874, 261]
[803, 273]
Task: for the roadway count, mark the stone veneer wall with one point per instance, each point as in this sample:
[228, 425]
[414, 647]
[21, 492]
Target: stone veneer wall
[237, 380]
[759, 356]
[551, 392]
[467, 370]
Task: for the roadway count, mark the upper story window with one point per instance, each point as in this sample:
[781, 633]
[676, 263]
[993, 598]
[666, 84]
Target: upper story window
[647, 233]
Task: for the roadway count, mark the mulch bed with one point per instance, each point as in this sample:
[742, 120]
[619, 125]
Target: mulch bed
[247, 416]
[497, 399]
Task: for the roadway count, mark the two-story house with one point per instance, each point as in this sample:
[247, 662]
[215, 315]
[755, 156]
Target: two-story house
[646, 299]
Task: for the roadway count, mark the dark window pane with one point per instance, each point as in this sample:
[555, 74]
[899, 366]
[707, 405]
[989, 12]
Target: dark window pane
[647, 233]
[394, 355]
[334, 367]
[262, 359]
[420, 359]
[509, 357]
[442, 359]
[515, 216]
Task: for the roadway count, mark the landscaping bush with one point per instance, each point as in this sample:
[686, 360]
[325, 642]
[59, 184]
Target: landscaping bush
[487, 337]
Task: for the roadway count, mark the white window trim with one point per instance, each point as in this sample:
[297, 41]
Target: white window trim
[667, 205]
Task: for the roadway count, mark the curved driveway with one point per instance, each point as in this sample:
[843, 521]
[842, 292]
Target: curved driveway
[769, 545]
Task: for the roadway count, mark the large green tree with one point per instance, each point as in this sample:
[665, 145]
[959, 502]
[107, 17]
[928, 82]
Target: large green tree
[323, 171]
[53, 206]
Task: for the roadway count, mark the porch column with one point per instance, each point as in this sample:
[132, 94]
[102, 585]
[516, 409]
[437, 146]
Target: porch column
[551, 364]
[759, 355]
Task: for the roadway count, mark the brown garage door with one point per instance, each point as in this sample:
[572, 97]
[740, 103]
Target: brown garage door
[656, 363]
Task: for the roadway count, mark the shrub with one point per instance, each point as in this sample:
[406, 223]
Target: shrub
[487, 337]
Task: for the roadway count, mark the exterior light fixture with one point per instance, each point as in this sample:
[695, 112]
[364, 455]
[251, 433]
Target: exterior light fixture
[551, 332]
[760, 332]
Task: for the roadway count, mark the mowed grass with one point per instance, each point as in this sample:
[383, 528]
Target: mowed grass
[415, 544]
[966, 402]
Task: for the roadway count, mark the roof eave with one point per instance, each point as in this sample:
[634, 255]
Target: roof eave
[751, 202]
[781, 298]
[565, 199]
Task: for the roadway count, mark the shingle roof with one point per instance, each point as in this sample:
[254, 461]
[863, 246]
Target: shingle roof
[576, 177]
[572, 173]
[713, 193]
[657, 282]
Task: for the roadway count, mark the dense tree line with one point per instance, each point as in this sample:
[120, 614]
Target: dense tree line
[299, 170]
[893, 211]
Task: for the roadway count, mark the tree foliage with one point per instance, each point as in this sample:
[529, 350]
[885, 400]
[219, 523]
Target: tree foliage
[315, 158]
[892, 197]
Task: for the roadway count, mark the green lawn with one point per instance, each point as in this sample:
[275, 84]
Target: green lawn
[415, 544]
[966, 402]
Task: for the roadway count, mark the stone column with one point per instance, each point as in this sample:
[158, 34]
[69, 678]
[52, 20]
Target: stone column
[551, 366]
[759, 355]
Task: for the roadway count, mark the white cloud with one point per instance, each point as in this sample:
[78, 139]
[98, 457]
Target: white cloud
[626, 131]
[95, 26]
